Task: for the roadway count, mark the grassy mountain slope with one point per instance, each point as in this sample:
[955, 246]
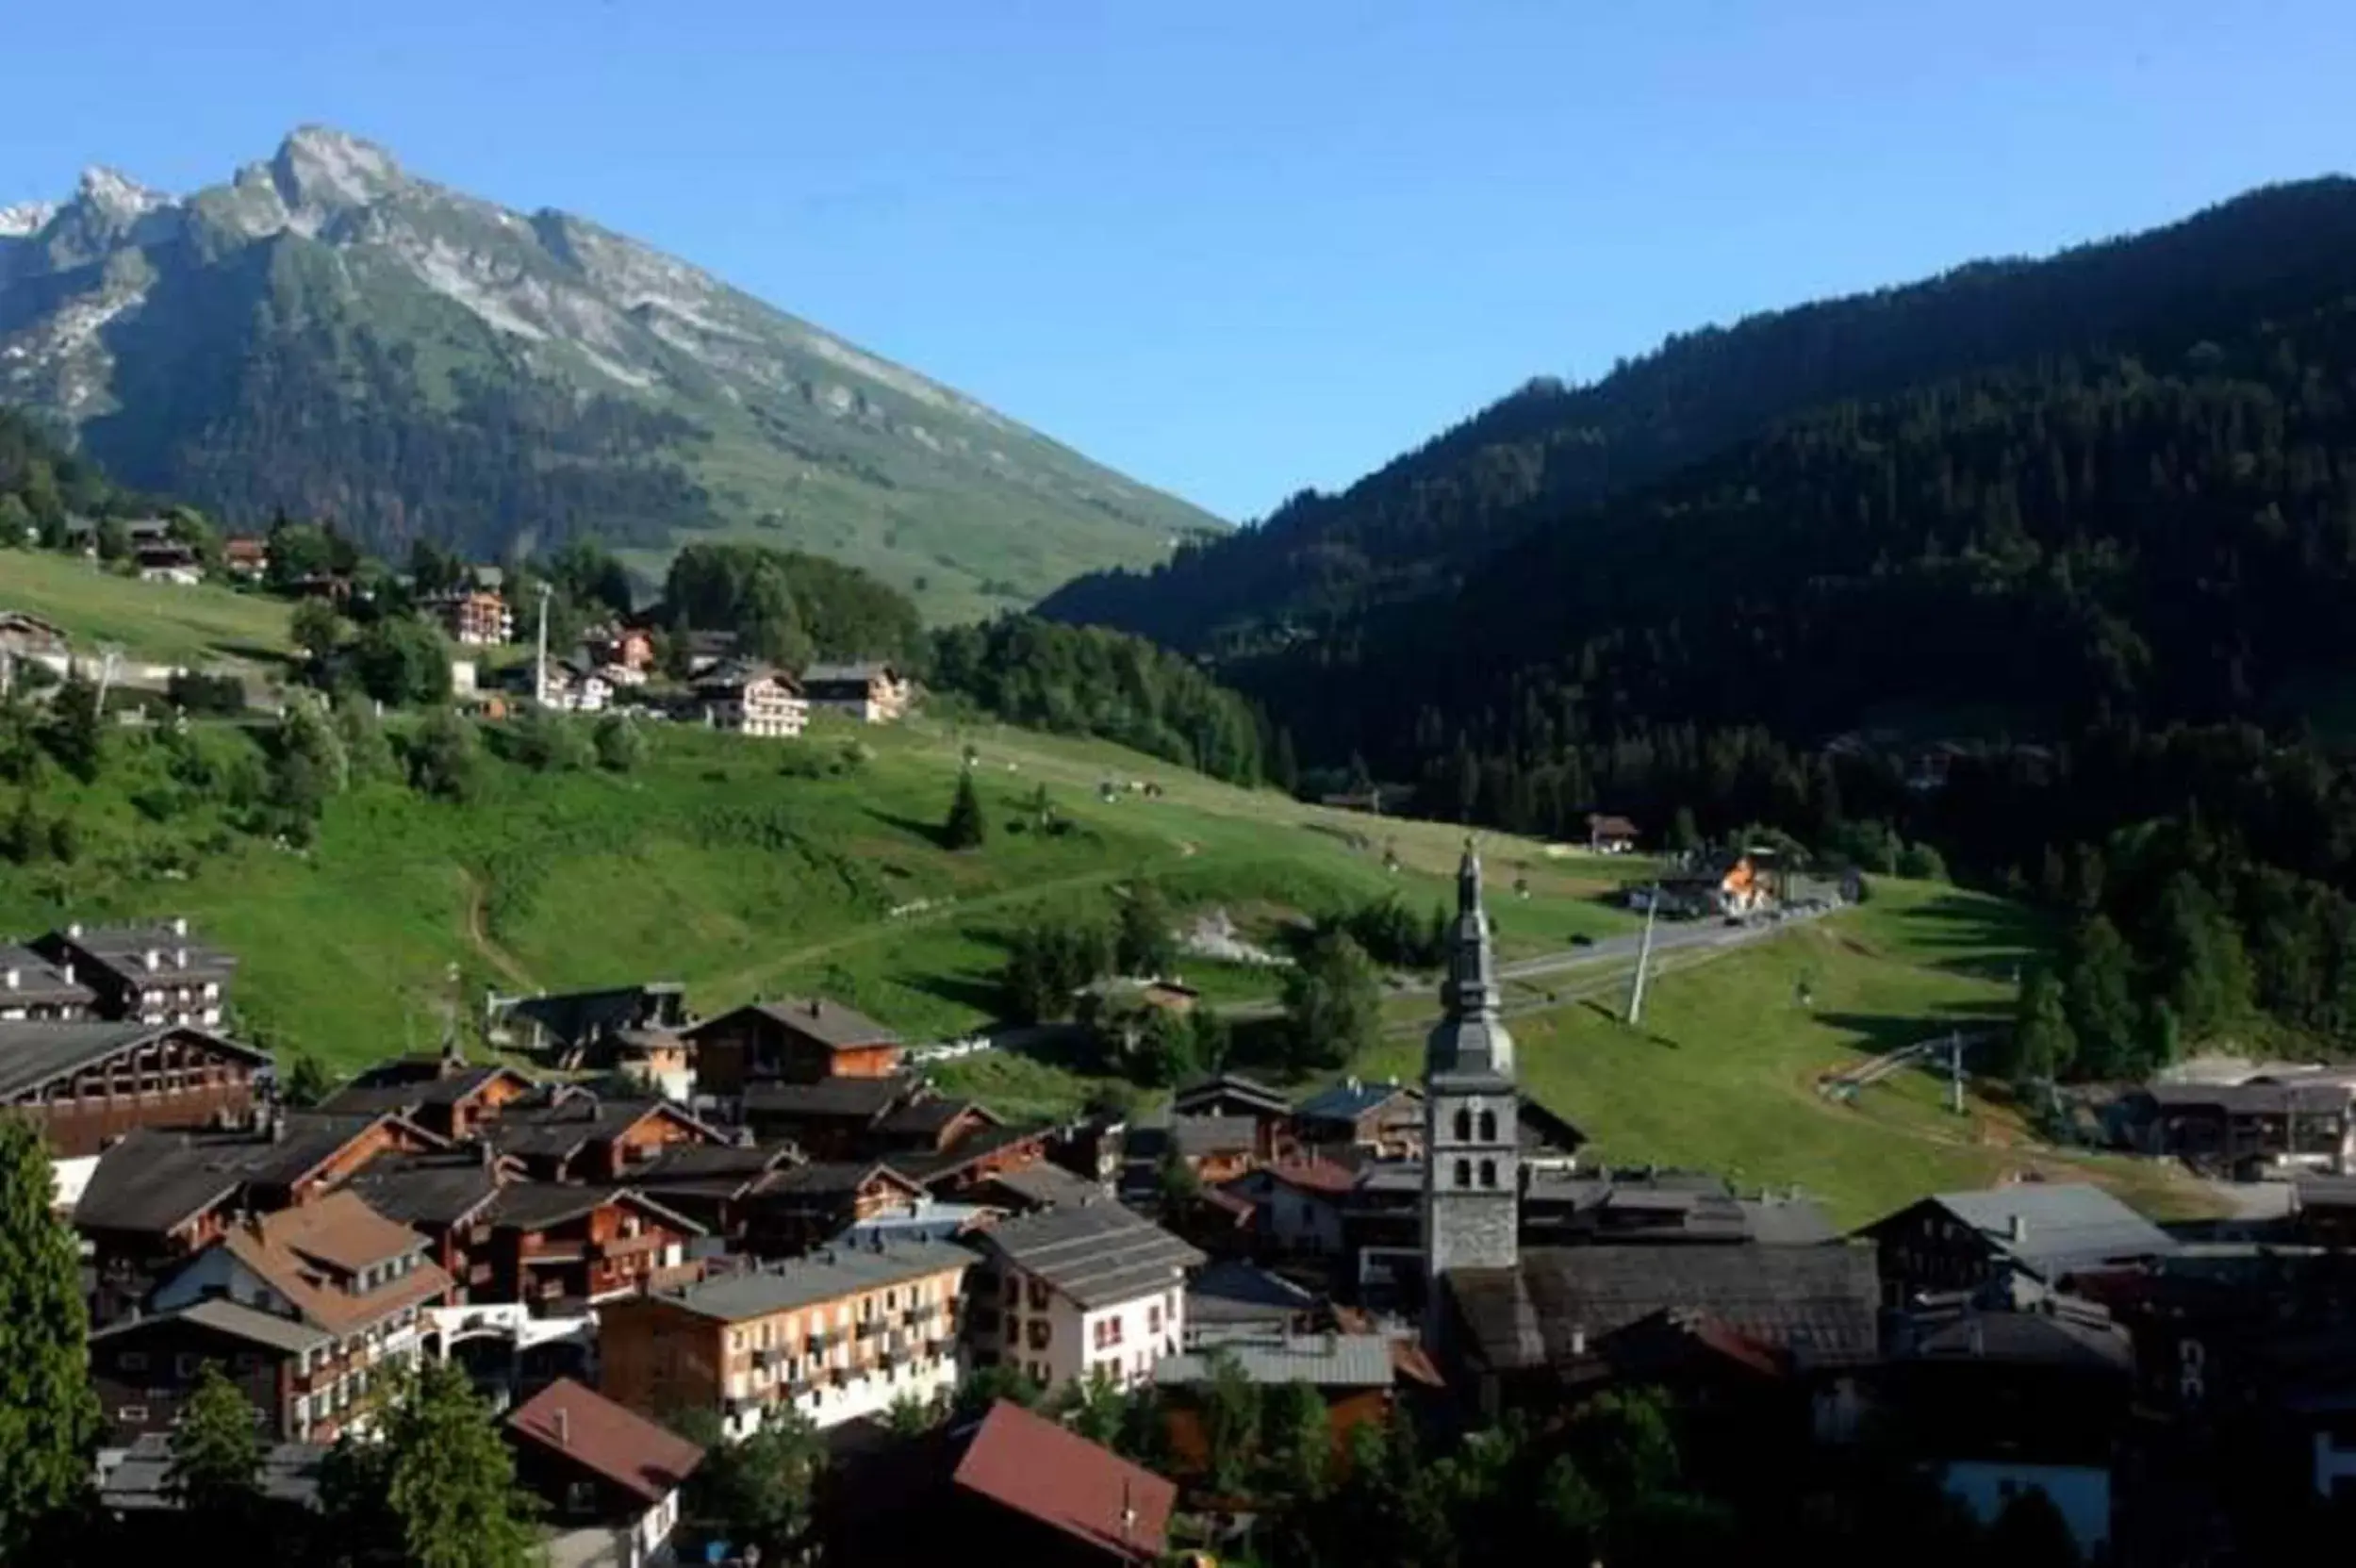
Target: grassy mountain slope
[194, 626]
[329, 335]
[1530, 464]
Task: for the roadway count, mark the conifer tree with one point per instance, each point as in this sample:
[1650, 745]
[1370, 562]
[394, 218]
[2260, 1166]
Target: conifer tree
[48, 1413]
[967, 828]
[216, 1452]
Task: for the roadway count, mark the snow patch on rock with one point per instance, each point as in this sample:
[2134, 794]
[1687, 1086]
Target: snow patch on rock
[25, 219]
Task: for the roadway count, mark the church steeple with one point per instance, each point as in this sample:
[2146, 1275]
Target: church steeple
[1471, 1147]
[1470, 1039]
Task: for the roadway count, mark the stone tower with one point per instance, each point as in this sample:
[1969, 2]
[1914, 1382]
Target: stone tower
[1471, 1166]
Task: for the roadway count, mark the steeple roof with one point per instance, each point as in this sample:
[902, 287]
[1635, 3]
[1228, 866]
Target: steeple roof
[1470, 1040]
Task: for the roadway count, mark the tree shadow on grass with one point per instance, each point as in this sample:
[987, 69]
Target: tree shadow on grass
[1876, 1033]
[983, 996]
[930, 832]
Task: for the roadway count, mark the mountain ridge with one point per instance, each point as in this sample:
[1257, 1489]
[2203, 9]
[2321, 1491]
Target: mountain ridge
[330, 270]
[1427, 519]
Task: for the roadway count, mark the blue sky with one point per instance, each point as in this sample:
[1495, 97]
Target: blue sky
[1238, 248]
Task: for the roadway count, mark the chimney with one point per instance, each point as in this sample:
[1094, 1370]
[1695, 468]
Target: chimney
[179, 925]
[67, 971]
[1129, 1510]
[1579, 1341]
[2019, 1229]
[564, 1427]
[153, 958]
[74, 930]
[815, 1006]
[16, 978]
[179, 958]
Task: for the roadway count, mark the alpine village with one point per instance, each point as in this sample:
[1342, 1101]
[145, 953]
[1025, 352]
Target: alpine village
[1399, 1034]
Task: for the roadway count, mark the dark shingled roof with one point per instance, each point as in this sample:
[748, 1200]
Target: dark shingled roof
[1230, 1291]
[232, 1318]
[1250, 1092]
[1819, 1304]
[2249, 1100]
[33, 1054]
[126, 948]
[931, 1117]
[537, 1205]
[706, 1162]
[140, 1482]
[921, 1168]
[573, 1017]
[152, 1180]
[37, 979]
[1046, 1186]
[829, 1023]
[565, 1124]
[862, 1099]
[1198, 1136]
[364, 1096]
[428, 1189]
[826, 1181]
[1097, 1255]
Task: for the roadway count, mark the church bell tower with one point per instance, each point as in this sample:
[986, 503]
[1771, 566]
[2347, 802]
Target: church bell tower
[1472, 1161]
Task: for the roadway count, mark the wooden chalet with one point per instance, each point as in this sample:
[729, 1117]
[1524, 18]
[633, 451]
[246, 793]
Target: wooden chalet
[158, 1197]
[35, 989]
[440, 1094]
[2050, 1232]
[596, 1465]
[1383, 1119]
[712, 1185]
[560, 1248]
[793, 1041]
[798, 1208]
[574, 1135]
[446, 1197]
[84, 1084]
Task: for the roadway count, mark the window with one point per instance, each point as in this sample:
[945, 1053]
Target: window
[186, 1364]
[1464, 1173]
[1489, 1173]
[580, 1496]
[1488, 1126]
[1038, 1295]
[1013, 1291]
[131, 1416]
[1039, 1331]
[1464, 1125]
[131, 1361]
[1153, 1318]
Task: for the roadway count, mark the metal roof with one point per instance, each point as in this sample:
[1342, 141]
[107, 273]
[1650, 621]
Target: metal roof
[1322, 1360]
[2062, 1225]
[827, 1275]
[1348, 1100]
[1097, 1255]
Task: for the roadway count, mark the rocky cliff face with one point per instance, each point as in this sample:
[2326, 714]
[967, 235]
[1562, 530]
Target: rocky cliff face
[326, 332]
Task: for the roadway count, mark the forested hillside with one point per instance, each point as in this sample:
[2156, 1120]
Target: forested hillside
[1534, 460]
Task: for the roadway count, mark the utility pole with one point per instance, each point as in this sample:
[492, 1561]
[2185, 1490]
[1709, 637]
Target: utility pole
[539, 667]
[1644, 956]
[106, 678]
[1956, 1072]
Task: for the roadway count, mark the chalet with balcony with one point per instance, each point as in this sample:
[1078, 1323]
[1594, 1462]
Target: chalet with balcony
[713, 1184]
[1381, 1119]
[1069, 1292]
[630, 648]
[574, 1135]
[991, 1151]
[474, 617]
[2241, 1130]
[440, 1094]
[1234, 1095]
[838, 1335]
[793, 1041]
[83, 1083]
[2049, 1232]
[335, 1268]
[246, 557]
[752, 700]
[559, 1249]
[1297, 1206]
[598, 1467]
[1609, 835]
[872, 692]
[447, 1198]
[559, 1026]
[34, 989]
[796, 1209]
[144, 1368]
[156, 1198]
[835, 1118]
[154, 974]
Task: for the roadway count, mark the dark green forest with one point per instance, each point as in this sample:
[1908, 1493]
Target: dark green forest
[2086, 528]
[1088, 680]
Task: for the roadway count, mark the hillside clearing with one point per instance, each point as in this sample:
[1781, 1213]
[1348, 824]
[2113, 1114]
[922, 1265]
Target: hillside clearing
[196, 626]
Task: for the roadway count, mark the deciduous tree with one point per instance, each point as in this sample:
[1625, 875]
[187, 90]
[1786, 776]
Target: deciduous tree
[48, 1413]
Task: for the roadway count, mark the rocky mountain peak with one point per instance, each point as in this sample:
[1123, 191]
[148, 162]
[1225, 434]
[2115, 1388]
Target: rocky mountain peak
[318, 166]
[116, 194]
[26, 218]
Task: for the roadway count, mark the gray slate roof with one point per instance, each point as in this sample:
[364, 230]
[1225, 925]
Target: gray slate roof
[1230, 1291]
[1347, 1102]
[427, 1189]
[1048, 1186]
[1322, 1361]
[823, 1275]
[153, 1180]
[34, 1054]
[37, 979]
[862, 1099]
[126, 948]
[1096, 1256]
[828, 1022]
[138, 1483]
[1821, 1303]
[233, 1319]
[2065, 1226]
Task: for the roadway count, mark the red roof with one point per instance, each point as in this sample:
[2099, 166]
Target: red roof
[647, 1461]
[1030, 1464]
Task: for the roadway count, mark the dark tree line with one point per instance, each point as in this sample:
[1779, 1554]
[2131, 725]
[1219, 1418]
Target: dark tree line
[789, 607]
[1086, 681]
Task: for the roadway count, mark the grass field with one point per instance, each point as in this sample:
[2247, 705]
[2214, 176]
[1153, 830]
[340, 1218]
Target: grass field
[197, 627]
[1721, 1073]
[711, 865]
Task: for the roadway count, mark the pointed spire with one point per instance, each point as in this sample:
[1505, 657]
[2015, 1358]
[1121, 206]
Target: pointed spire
[1470, 1038]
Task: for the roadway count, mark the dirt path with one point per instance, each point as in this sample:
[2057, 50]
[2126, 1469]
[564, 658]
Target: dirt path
[479, 937]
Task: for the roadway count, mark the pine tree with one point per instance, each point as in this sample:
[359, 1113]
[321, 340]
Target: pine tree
[1142, 945]
[306, 1083]
[48, 1413]
[2100, 994]
[72, 731]
[967, 828]
[1296, 1439]
[216, 1463]
[2043, 1046]
[450, 1477]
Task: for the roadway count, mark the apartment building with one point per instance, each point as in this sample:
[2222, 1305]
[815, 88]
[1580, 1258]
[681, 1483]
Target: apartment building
[1070, 1291]
[151, 974]
[838, 1336]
